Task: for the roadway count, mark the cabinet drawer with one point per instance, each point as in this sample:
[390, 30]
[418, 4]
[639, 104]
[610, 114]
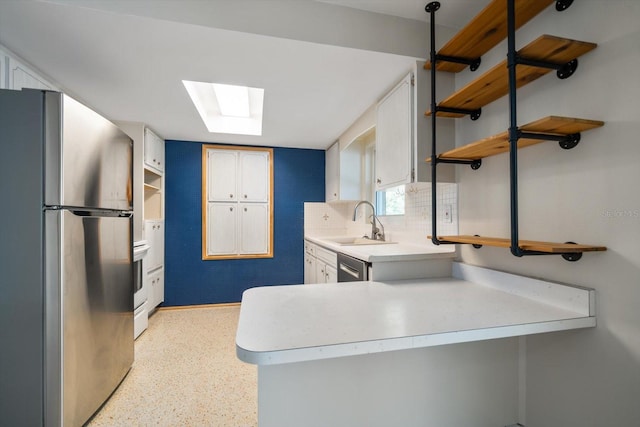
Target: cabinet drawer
[329, 257]
[309, 248]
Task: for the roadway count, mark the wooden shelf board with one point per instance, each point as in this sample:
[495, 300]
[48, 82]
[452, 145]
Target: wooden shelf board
[548, 247]
[494, 84]
[485, 31]
[499, 143]
[149, 187]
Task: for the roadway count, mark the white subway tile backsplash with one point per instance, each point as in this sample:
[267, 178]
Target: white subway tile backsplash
[412, 227]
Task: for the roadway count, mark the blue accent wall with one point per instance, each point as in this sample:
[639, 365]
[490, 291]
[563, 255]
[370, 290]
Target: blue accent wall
[298, 178]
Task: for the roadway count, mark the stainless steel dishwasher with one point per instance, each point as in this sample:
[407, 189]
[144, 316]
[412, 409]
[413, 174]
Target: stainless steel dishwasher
[351, 269]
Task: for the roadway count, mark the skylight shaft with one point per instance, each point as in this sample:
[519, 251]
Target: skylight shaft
[232, 100]
[227, 108]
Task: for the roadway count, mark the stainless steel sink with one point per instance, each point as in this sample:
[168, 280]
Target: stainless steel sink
[352, 241]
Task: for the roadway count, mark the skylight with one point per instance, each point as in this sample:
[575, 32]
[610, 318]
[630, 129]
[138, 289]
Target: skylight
[228, 108]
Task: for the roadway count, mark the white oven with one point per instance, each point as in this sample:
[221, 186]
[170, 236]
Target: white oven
[140, 311]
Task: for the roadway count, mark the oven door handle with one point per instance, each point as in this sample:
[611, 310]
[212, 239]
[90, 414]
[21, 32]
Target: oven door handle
[350, 271]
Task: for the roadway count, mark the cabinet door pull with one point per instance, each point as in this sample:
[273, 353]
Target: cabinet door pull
[245, 196]
[231, 209]
[245, 209]
[379, 181]
[231, 196]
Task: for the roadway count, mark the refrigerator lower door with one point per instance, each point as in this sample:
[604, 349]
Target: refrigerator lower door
[93, 292]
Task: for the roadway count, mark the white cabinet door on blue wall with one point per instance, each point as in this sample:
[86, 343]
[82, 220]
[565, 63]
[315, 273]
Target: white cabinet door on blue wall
[221, 233]
[237, 202]
[222, 166]
[254, 168]
[254, 228]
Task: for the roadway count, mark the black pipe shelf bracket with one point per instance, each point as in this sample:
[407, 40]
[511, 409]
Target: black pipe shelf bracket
[566, 141]
[473, 64]
[473, 114]
[474, 164]
[563, 71]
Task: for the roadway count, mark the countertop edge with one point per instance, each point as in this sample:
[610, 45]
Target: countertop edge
[306, 354]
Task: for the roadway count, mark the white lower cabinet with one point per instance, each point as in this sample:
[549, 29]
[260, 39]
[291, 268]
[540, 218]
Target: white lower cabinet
[254, 228]
[221, 233]
[155, 282]
[154, 232]
[319, 264]
[237, 228]
[309, 269]
[154, 263]
[325, 273]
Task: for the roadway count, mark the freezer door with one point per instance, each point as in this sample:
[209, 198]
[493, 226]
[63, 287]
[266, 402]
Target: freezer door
[88, 159]
[95, 283]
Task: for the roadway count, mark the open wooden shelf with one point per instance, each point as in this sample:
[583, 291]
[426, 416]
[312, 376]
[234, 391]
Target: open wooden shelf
[497, 144]
[529, 245]
[494, 84]
[485, 31]
[149, 187]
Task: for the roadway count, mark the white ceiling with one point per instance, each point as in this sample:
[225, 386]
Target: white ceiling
[126, 59]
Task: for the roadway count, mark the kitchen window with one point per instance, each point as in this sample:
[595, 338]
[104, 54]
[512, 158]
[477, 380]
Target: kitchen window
[390, 201]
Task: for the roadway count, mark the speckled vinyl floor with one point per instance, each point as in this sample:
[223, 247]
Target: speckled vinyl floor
[186, 373]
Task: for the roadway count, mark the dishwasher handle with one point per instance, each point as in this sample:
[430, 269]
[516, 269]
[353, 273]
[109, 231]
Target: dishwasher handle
[350, 271]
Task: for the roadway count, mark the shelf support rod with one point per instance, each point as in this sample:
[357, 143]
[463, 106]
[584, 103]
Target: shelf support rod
[513, 127]
[431, 9]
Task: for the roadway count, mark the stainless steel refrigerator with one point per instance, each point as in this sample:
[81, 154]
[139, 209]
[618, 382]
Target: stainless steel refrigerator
[66, 290]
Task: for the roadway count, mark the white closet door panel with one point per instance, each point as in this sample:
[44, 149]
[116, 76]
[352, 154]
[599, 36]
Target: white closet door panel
[222, 228]
[221, 168]
[254, 177]
[254, 228]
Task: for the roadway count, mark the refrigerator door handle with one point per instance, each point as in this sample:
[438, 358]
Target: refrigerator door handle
[115, 214]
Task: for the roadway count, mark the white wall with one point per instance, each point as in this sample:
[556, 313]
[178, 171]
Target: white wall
[588, 195]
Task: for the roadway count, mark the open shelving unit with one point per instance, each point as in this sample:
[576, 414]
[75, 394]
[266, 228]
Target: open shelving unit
[498, 20]
[567, 129]
[554, 52]
[152, 195]
[482, 34]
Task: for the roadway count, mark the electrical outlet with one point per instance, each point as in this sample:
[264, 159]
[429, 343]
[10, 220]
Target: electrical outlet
[448, 212]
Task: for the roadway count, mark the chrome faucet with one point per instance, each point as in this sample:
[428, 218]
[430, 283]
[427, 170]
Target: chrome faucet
[375, 231]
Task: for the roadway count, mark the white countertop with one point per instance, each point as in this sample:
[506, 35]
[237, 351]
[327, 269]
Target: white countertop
[387, 252]
[284, 324]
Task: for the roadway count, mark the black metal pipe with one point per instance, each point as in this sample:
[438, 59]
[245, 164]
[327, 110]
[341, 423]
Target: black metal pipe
[431, 8]
[513, 127]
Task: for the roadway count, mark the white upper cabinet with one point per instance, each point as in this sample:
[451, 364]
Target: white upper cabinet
[222, 166]
[254, 173]
[403, 133]
[153, 151]
[332, 173]
[16, 74]
[394, 136]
